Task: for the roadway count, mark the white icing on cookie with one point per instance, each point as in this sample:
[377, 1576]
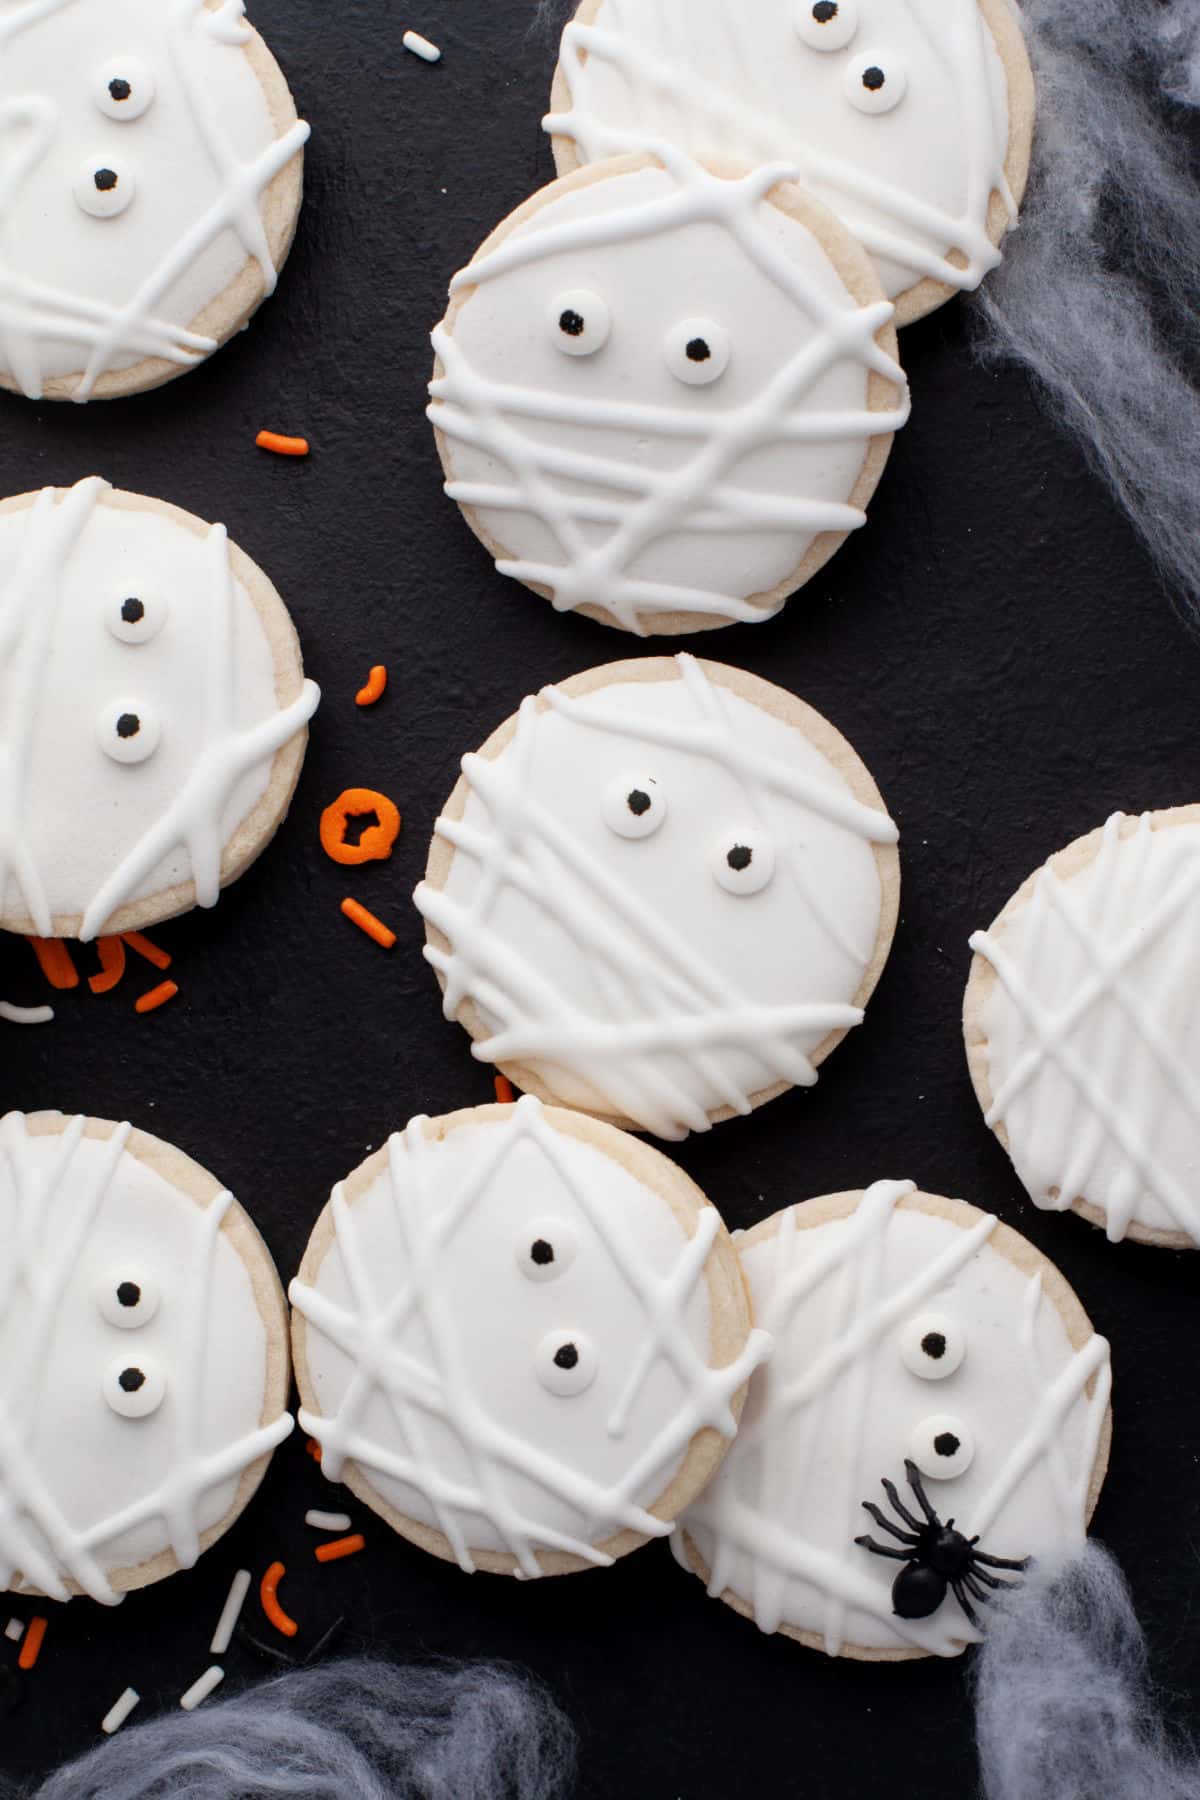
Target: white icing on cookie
[837, 1410]
[96, 274]
[654, 395]
[126, 762]
[94, 1479]
[893, 112]
[1093, 1044]
[627, 971]
[514, 1412]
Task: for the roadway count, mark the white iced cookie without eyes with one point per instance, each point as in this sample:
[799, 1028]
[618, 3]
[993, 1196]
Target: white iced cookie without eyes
[661, 894]
[929, 1362]
[522, 1337]
[1082, 1031]
[663, 398]
[152, 711]
[143, 1358]
[911, 119]
[150, 182]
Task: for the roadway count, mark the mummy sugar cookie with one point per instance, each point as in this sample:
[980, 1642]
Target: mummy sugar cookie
[152, 711]
[929, 1365]
[143, 1358]
[663, 398]
[1082, 1034]
[661, 894]
[911, 119]
[522, 1338]
[152, 174]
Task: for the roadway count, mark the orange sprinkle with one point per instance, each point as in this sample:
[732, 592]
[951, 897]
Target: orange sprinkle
[55, 961]
[282, 446]
[31, 1643]
[158, 996]
[366, 921]
[504, 1090]
[314, 1449]
[376, 842]
[336, 1548]
[144, 947]
[111, 952]
[268, 1594]
[374, 689]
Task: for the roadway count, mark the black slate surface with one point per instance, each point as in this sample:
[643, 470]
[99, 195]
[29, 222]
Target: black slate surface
[996, 646]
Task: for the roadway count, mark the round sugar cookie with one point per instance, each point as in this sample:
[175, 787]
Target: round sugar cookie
[911, 119]
[153, 711]
[522, 1338]
[143, 1358]
[661, 894]
[663, 398]
[153, 166]
[928, 1362]
[1081, 1028]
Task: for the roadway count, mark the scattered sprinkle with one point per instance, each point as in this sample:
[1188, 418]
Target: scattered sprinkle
[282, 446]
[119, 1711]
[55, 962]
[31, 1648]
[158, 996]
[313, 1448]
[268, 1590]
[346, 1546]
[375, 844]
[504, 1091]
[26, 1015]
[200, 1690]
[421, 46]
[366, 921]
[14, 1631]
[141, 944]
[323, 1521]
[373, 690]
[231, 1612]
[111, 952]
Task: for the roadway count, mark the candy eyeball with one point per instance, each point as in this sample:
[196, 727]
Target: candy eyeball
[942, 1447]
[546, 1249]
[634, 805]
[124, 88]
[743, 862]
[932, 1346]
[826, 24]
[581, 322]
[128, 1299]
[134, 1387]
[128, 731]
[137, 617]
[877, 83]
[698, 352]
[566, 1363]
[104, 186]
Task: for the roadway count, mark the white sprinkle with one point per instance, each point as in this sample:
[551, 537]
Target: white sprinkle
[327, 1521]
[231, 1612]
[117, 1714]
[15, 1630]
[26, 1015]
[200, 1690]
[421, 46]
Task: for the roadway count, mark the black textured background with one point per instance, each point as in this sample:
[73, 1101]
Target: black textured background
[995, 645]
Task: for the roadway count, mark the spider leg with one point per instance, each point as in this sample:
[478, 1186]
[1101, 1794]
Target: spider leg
[973, 1588]
[987, 1580]
[881, 1518]
[889, 1488]
[868, 1543]
[1001, 1562]
[915, 1483]
[961, 1596]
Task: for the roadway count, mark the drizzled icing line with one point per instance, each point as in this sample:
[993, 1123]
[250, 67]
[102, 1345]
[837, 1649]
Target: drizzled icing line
[685, 1007]
[38, 1544]
[1100, 1068]
[427, 1214]
[779, 1442]
[28, 609]
[660, 79]
[641, 505]
[31, 310]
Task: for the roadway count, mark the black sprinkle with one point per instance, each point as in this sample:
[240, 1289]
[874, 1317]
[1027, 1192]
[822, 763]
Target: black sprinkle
[120, 90]
[698, 351]
[934, 1345]
[130, 1380]
[128, 1293]
[873, 79]
[572, 323]
[541, 1253]
[740, 857]
[824, 11]
[638, 801]
[567, 1357]
[128, 725]
[946, 1444]
[12, 1690]
[132, 611]
[106, 180]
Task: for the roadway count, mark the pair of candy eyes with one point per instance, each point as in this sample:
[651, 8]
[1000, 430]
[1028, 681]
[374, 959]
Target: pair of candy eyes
[875, 82]
[128, 730]
[932, 1347]
[123, 90]
[134, 1387]
[697, 351]
[742, 861]
[565, 1361]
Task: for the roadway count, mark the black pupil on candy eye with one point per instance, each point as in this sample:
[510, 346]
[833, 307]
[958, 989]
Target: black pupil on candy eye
[873, 79]
[740, 857]
[132, 611]
[129, 1293]
[106, 180]
[131, 1380]
[541, 1253]
[638, 802]
[572, 323]
[120, 90]
[824, 11]
[698, 351]
[128, 725]
[946, 1444]
[934, 1345]
[567, 1357]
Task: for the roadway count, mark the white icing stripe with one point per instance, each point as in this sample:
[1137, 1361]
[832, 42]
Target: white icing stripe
[38, 1543]
[720, 98]
[1094, 1074]
[698, 492]
[428, 1214]
[30, 312]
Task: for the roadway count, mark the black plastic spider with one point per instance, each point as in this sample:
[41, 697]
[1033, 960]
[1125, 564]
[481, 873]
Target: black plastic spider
[937, 1557]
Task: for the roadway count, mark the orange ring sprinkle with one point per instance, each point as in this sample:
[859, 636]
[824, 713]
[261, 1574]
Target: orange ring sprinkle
[376, 683]
[504, 1091]
[336, 1548]
[157, 996]
[376, 842]
[142, 945]
[111, 952]
[31, 1643]
[268, 1589]
[54, 960]
[366, 921]
[281, 445]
